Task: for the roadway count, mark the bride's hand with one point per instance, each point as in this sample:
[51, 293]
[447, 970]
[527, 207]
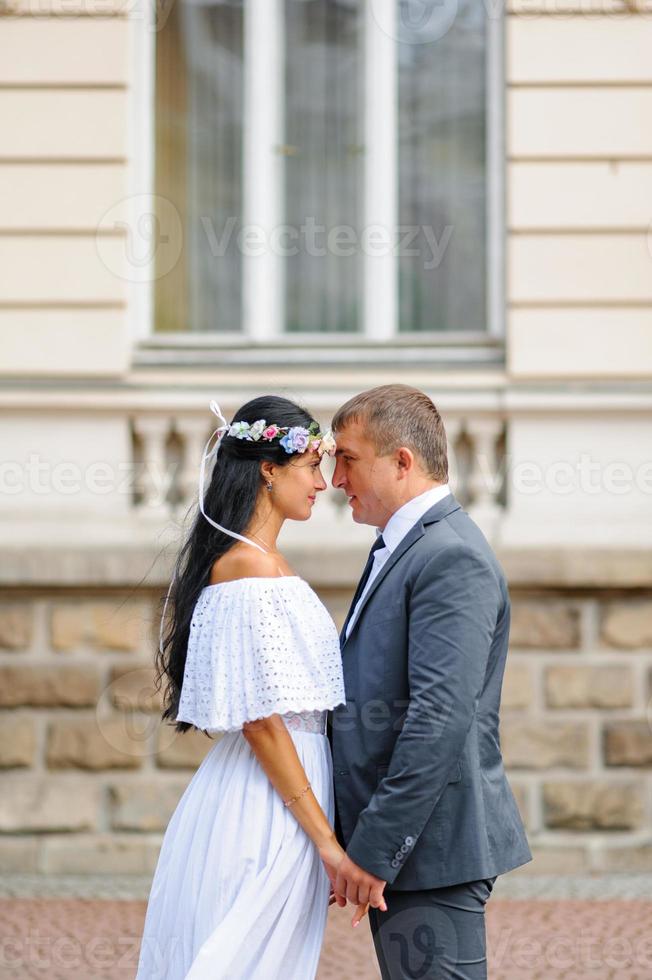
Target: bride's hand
[360, 912]
[331, 855]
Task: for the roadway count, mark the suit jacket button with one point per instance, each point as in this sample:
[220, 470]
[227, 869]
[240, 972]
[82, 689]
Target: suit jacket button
[409, 841]
[394, 863]
[404, 848]
[399, 855]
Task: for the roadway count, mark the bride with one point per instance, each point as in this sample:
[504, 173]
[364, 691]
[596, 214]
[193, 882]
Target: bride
[249, 859]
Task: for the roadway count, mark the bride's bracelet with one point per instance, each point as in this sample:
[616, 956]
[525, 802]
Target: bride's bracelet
[295, 798]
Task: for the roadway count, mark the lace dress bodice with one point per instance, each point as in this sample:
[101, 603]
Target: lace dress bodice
[261, 646]
[306, 721]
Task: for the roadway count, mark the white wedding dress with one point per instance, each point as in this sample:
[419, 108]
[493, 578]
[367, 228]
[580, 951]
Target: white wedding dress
[239, 890]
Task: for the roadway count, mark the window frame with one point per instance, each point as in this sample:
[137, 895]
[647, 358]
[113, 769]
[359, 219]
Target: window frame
[251, 346]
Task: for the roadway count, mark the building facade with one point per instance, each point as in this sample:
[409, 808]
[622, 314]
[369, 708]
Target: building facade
[214, 200]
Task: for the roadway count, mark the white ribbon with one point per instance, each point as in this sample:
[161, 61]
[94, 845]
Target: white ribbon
[206, 455]
[215, 408]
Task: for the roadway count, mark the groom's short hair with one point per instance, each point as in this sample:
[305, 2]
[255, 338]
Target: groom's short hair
[398, 415]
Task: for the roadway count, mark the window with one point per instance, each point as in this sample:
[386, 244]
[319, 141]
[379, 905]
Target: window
[329, 161]
[199, 163]
[442, 174]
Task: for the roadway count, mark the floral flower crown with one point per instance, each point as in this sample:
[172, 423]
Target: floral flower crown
[294, 438]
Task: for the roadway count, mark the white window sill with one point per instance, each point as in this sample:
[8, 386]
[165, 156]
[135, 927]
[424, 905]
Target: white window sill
[466, 349]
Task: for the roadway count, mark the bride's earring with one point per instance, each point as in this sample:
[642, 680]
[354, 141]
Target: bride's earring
[269, 485]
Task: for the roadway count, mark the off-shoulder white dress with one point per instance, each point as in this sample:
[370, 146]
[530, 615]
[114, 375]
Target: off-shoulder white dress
[239, 890]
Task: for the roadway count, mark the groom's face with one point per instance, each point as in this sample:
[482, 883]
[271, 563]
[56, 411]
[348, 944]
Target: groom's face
[367, 479]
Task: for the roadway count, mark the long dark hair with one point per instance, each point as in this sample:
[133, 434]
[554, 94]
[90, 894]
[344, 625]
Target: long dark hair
[230, 499]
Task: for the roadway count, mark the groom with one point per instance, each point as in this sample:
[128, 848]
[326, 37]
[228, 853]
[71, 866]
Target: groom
[423, 806]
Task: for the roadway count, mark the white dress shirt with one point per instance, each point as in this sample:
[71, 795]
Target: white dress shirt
[400, 523]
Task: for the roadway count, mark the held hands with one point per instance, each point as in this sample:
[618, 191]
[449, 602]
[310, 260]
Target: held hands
[349, 881]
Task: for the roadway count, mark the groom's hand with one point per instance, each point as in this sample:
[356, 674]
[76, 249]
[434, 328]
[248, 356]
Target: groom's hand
[359, 886]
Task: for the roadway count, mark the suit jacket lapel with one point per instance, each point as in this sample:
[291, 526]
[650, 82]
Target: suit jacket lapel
[441, 509]
[413, 535]
[356, 596]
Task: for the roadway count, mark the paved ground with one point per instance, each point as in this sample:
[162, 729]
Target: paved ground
[529, 938]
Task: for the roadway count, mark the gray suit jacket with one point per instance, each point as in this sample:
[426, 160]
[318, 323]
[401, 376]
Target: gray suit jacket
[422, 800]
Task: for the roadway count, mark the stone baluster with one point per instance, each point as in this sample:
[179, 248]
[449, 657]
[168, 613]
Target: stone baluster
[453, 426]
[153, 430]
[194, 436]
[485, 477]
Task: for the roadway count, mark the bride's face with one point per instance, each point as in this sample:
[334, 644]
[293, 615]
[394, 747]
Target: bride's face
[296, 486]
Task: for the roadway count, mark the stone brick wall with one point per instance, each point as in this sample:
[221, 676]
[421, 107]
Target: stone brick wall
[91, 777]
[576, 728]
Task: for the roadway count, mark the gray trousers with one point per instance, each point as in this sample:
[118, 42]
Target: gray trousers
[433, 934]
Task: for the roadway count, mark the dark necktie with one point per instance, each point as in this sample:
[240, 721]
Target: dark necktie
[378, 544]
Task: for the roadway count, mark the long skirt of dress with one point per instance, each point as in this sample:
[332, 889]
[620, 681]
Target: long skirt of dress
[239, 891]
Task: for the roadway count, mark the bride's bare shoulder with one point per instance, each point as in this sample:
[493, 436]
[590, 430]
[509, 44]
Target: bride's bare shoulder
[243, 561]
